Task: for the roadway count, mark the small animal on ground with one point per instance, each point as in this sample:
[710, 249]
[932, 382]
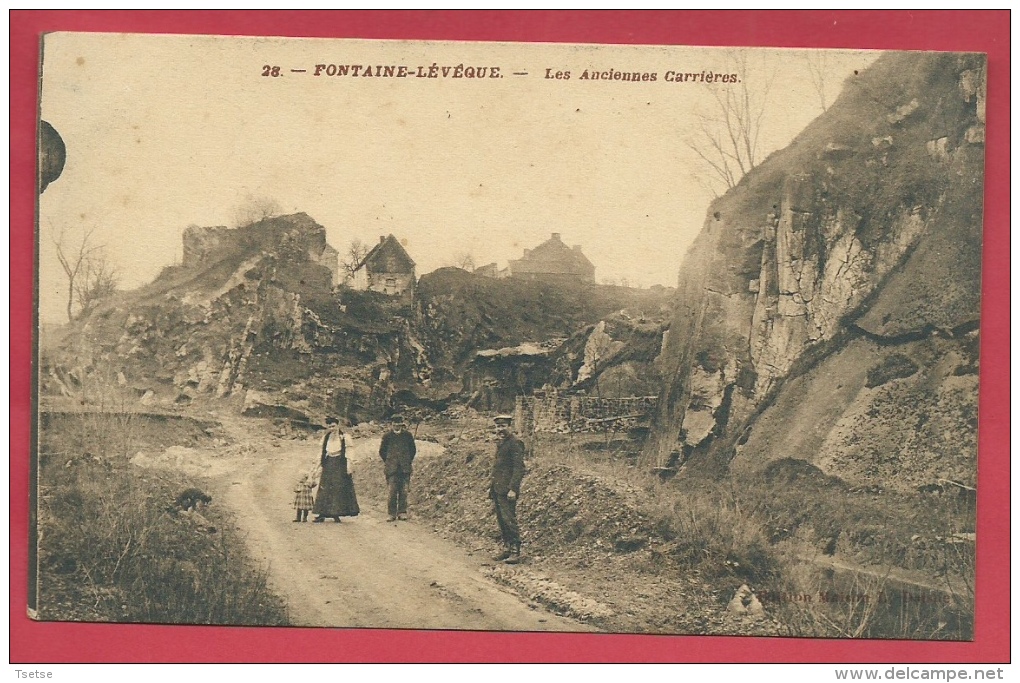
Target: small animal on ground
[192, 499]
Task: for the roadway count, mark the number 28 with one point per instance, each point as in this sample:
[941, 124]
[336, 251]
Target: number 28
[270, 70]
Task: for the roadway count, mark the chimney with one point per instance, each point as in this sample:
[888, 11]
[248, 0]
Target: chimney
[382, 238]
[556, 236]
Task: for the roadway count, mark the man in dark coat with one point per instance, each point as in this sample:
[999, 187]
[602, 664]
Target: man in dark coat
[505, 486]
[397, 451]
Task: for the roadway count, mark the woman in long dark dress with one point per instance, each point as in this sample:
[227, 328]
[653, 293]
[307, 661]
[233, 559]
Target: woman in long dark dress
[336, 497]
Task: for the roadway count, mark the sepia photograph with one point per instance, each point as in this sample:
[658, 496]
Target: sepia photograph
[526, 337]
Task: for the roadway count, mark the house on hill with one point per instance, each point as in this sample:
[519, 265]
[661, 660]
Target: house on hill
[387, 268]
[555, 261]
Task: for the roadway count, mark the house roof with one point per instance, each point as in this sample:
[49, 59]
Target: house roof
[387, 256]
[553, 256]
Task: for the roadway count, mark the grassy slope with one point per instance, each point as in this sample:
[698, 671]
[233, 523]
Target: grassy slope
[111, 547]
[667, 556]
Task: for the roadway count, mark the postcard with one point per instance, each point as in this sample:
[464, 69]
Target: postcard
[385, 334]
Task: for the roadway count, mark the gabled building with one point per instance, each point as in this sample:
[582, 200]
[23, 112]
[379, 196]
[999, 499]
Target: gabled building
[555, 261]
[387, 268]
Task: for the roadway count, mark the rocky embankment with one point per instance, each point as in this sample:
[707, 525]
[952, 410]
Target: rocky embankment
[248, 317]
[829, 309]
[252, 317]
[597, 549]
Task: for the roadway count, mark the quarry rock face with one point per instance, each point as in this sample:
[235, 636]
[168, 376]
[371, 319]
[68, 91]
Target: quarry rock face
[201, 242]
[250, 317]
[860, 240]
[458, 314]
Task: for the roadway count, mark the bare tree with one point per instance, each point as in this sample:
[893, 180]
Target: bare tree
[465, 261]
[818, 69]
[90, 276]
[356, 253]
[728, 137]
[253, 209]
[98, 281]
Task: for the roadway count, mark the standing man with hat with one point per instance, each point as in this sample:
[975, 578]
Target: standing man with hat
[397, 451]
[505, 486]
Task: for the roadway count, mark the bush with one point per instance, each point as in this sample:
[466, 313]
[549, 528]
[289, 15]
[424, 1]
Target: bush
[716, 535]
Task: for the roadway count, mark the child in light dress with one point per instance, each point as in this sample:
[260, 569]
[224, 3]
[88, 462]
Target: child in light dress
[303, 499]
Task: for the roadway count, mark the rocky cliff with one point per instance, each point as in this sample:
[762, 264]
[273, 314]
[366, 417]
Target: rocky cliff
[459, 314]
[829, 309]
[250, 316]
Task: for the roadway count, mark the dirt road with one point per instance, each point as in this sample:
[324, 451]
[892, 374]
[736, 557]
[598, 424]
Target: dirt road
[366, 572]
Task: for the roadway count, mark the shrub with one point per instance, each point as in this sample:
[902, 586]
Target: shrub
[714, 533]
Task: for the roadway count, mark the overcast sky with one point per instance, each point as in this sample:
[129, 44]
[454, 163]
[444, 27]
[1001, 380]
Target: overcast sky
[167, 131]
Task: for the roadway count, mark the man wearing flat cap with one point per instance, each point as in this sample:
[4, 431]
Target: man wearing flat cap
[397, 451]
[505, 487]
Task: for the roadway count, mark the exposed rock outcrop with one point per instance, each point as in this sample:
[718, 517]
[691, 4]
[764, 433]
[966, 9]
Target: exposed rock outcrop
[250, 316]
[860, 240]
[458, 313]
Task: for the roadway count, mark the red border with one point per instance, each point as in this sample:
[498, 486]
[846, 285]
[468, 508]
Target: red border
[973, 31]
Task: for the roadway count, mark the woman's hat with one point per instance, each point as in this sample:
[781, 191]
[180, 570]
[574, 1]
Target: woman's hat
[332, 421]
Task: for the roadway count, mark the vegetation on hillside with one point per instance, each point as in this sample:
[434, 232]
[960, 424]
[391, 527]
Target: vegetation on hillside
[588, 512]
[114, 546]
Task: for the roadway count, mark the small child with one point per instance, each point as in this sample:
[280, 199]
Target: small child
[303, 500]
